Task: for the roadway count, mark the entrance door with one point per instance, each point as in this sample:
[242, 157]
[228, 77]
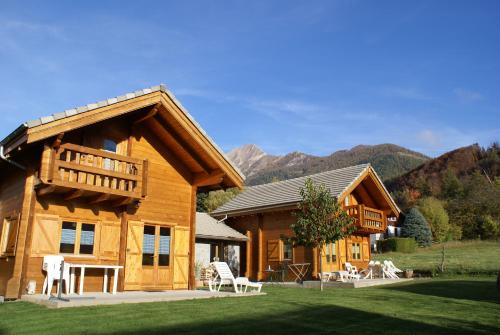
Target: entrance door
[156, 257]
[148, 260]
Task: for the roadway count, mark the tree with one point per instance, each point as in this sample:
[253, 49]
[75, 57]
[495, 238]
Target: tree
[320, 220]
[215, 199]
[200, 202]
[437, 217]
[452, 187]
[417, 227]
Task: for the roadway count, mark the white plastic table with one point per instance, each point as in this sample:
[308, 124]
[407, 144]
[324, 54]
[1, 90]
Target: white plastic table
[82, 267]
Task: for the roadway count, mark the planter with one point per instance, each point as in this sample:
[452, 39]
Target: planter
[408, 273]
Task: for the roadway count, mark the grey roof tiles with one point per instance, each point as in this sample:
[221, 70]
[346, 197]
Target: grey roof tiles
[287, 192]
[210, 228]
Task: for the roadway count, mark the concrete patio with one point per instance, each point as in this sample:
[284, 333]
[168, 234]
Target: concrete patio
[96, 299]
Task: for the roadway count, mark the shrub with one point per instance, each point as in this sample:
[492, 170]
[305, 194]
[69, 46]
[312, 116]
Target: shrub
[406, 245]
[417, 227]
[433, 211]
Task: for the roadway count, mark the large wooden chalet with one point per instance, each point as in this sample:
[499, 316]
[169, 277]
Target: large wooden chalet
[264, 214]
[113, 182]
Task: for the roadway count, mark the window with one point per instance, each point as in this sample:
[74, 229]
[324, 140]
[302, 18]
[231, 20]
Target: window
[109, 145]
[331, 252]
[287, 251]
[87, 239]
[164, 248]
[148, 246]
[77, 238]
[356, 251]
[8, 236]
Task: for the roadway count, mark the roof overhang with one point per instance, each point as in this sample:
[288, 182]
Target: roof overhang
[218, 170]
[222, 238]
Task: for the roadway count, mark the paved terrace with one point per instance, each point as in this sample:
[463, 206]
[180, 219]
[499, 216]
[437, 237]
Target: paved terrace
[95, 299]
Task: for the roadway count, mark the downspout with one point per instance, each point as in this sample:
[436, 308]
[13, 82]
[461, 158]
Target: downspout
[3, 157]
[222, 220]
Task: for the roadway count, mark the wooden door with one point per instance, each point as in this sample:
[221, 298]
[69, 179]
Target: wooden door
[181, 258]
[156, 258]
[133, 261]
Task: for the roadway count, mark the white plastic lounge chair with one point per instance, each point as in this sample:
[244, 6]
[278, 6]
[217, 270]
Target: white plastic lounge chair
[393, 267]
[225, 277]
[368, 273]
[52, 265]
[352, 271]
[388, 272]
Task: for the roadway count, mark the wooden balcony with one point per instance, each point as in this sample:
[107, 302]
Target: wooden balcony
[368, 219]
[82, 172]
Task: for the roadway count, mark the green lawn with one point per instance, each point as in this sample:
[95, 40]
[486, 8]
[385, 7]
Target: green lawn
[429, 306]
[481, 257]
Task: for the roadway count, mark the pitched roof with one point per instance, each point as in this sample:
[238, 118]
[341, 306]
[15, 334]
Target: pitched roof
[287, 192]
[127, 96]
[210, 228]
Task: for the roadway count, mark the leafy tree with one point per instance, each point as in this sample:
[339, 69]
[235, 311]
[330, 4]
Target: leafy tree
[320, 220]
[452, 187]
[437, 217]
[489, 227]
[200, 202]
[215, 199]
[417, 227]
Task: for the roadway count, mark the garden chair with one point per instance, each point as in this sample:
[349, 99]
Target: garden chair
[368, 273]
[393, 267]
[352, 271]
[388, 272]
[52, 266]
[325, 276]
[226, 277]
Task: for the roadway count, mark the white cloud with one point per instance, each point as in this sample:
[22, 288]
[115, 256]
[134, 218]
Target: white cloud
[429, 138]
[466, 96]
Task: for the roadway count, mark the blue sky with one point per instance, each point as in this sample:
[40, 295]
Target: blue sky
[311, 76]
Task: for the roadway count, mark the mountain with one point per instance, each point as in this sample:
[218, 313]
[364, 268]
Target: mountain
[462, 162]
[389, 161]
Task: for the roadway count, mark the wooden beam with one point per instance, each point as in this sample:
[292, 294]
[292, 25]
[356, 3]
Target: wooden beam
[260, 247]
[152, 112]
[122, 202]
[213, 178]
[172, 135]
[74, 194]
[99, 198]
[57, 141]
[46, 190]
[192, 242]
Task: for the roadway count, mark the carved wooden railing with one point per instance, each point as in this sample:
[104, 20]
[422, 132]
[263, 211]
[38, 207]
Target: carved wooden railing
[368, 218]
[78, 167]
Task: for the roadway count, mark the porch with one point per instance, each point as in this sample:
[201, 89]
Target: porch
[130, 297]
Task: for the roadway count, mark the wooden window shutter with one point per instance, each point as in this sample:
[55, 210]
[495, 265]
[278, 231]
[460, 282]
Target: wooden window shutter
[46, 235]
[274, 253]
[365, 250]
[349, 249]
[8, 237]
[109, 240]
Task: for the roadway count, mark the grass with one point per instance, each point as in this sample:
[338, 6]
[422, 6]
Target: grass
[470, 257]
[426, 306]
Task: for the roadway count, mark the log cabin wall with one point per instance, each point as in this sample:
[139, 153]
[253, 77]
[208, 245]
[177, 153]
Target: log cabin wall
[12, 184]
[168, 202]
[274, 225]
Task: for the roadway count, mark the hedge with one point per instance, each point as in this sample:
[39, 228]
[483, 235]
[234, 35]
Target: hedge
[406, 245]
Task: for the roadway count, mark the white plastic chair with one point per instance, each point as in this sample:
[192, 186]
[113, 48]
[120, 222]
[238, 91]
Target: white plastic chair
[52, 265]
[225, 276]
[352, 271]
[368, 273]
[388, 271]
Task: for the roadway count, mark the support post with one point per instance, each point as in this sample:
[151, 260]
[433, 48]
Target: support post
[260, 238]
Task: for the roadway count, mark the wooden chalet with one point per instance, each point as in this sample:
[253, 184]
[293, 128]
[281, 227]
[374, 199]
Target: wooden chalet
[113, 182]
[264, 214]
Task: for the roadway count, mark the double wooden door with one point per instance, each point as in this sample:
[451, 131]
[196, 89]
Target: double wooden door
[157, 256]
[149, 257]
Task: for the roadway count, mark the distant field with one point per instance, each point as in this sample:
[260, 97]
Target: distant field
[480, 257]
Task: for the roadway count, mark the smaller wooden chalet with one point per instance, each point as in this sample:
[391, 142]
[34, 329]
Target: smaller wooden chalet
[217, 241]
[112, 183]
[264, 213]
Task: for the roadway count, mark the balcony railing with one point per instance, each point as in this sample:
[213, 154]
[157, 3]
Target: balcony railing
[368, 219]
[92, 170]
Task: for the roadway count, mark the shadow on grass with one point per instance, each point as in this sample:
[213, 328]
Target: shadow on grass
[456, 289]
[314, 320]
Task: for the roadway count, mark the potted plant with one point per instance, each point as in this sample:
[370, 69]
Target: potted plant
[198, 266]
[408, 273]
